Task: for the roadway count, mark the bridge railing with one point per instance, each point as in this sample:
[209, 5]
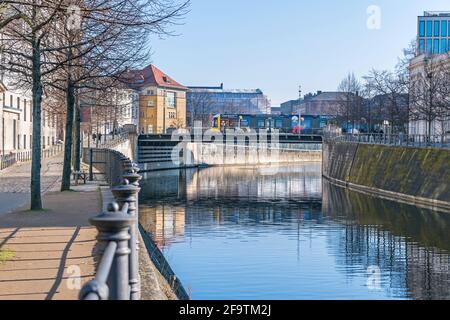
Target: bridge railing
[105, 141]
[117, 276]
[409, 140]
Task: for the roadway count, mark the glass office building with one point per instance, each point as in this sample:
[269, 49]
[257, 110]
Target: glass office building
[433, 32]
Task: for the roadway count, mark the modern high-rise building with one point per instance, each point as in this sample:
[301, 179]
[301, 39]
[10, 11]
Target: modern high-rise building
[433, 43]
[433, 32]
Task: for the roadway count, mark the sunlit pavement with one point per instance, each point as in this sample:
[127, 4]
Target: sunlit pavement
[49, 254]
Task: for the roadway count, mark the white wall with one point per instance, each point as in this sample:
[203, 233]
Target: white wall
[16, 114]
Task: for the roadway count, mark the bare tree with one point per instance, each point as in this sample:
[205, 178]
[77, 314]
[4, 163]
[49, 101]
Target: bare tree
[26, 26]
[200, 104]
[39, 42]
[113, 36]
[350, 104]
[391, 93]
[429, 93]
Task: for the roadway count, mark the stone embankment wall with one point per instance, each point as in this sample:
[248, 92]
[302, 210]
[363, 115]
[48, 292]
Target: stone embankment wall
[415, 175]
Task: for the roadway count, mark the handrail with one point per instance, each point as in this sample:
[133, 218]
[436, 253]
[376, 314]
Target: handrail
[117, 276]
[408, 140]
[104, 269]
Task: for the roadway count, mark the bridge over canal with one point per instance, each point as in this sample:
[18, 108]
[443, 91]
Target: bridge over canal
[157, 152]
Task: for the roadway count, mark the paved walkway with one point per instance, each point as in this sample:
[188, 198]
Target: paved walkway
[15, 182]
[48, 254]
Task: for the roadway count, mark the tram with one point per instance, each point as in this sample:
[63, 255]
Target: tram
[301, 124]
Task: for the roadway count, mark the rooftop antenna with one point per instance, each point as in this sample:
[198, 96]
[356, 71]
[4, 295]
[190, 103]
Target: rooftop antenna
[299, 92]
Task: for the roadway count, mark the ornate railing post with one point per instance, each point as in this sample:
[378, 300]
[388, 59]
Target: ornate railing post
[128, 193]
[112, 277]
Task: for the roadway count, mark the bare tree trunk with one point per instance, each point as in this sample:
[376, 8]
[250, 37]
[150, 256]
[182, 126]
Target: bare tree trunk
[78, 136]
[65, 183]
[35, 187]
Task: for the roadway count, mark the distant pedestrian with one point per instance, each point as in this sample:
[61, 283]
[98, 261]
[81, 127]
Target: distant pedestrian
[94, 136]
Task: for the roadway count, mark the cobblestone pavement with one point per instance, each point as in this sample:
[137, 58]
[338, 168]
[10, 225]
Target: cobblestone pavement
[15, 182]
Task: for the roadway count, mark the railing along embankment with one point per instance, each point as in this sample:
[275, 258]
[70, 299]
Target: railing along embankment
[117, 276]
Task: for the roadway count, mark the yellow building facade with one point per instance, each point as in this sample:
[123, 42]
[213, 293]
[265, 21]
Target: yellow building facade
[162, 101]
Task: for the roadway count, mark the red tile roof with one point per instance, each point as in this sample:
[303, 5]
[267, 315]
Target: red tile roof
[151, 75]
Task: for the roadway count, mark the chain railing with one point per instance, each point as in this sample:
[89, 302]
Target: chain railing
[408, 140]
[25, 156]
[117, 276]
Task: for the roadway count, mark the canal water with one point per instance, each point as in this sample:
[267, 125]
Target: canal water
[284, 233]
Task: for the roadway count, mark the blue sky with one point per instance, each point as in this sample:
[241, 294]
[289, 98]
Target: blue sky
[278, 45]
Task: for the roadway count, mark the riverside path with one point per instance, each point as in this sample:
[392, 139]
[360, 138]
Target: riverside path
[47, 254]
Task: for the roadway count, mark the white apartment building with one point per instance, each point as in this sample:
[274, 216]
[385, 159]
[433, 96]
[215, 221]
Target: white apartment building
[418, 66]
[433, 53]
[128, 108]
[16, 121]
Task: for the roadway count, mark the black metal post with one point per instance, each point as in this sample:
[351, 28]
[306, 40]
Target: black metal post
[91, 175]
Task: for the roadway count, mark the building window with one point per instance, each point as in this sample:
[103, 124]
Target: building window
[150, 103]
[31, 141]
[429, 46]
[170, 99]
[444, 28]
[422, 29]
[11, 101]
[436, 46]
[422, 46]
[14, 133]
[24, 141]
[437, 26]
[429, 28]
[18, 103]
[25, 110]
[443, 45]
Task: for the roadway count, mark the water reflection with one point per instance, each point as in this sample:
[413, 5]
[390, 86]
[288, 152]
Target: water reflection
[232, 233]
[408, 242]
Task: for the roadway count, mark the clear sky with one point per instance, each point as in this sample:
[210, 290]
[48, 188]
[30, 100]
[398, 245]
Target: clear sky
[278, 45]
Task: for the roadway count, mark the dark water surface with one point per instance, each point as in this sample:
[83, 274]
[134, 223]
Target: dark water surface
[240, 233]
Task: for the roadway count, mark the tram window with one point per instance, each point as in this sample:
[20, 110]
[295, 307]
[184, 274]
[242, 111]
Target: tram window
[278, 123]
[260, 123]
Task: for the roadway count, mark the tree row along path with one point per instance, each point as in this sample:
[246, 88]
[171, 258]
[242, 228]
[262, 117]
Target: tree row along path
[48, 254]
